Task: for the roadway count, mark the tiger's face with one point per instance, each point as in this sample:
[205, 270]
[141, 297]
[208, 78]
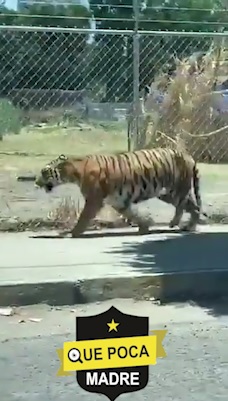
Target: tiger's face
[52, 174]
[48, 178]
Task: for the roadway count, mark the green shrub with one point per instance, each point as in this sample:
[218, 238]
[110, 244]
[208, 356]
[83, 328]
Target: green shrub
[10, 118]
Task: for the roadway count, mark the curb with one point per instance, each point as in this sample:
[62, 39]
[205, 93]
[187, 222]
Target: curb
[175, 287]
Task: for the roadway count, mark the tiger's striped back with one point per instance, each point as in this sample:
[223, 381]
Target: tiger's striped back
[140, 174]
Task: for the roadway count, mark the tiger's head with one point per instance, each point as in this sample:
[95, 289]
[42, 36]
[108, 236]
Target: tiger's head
[53, 174]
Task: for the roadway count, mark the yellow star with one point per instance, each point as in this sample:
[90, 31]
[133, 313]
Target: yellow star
[113, 325]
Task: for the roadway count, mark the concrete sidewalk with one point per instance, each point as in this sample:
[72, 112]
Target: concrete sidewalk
[164, 265]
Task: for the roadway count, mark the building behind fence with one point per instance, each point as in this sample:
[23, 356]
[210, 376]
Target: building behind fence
[102, 74]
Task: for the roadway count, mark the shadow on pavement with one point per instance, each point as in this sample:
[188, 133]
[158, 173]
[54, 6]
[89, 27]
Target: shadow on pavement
[199, 261]
[216, 307]
[106, 234]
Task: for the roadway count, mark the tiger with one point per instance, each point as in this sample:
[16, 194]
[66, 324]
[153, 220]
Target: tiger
[125, 179]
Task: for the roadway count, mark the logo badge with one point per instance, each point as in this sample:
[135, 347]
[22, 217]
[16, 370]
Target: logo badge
[112, 324]
[112, 353]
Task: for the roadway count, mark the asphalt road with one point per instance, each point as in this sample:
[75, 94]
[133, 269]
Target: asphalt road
[196, 367]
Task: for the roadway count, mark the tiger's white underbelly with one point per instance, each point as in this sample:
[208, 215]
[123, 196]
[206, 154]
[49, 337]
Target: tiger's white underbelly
[128, 195]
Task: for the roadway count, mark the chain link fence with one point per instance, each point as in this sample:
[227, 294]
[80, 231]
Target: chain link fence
[82, 91]
[66, 73]
[162, 87]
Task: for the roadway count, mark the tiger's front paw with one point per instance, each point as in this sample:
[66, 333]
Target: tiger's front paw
[189, 227]
[143, 230]
[75, 234]
[173, 223]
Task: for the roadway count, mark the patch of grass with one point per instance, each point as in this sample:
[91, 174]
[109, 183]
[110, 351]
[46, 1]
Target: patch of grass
[10, 118]
[38, 146]
[70, 141]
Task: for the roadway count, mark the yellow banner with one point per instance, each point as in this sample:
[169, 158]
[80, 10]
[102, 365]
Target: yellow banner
[111, 353]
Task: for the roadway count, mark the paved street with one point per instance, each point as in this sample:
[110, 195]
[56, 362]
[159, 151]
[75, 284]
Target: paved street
[111, 264]
[195, 369]
[111, 253]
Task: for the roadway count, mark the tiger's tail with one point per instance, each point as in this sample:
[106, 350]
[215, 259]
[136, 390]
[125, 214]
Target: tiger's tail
[196, 186]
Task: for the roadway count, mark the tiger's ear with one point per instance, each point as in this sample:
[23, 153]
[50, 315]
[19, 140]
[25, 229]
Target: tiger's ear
[46, 168]
[62, 157]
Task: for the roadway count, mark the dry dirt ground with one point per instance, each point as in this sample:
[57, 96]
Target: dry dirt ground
[27, 152]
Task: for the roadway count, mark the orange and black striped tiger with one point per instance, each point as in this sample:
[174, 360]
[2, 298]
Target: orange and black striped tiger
[125, 179]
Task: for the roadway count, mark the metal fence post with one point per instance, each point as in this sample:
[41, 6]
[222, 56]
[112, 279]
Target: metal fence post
[136, 74]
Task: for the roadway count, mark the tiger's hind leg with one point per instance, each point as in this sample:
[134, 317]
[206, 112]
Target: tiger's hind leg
[186, 205]
[93, 205]
[177, 216]
[172, 199]
[176, 219]
[194, 211]
[181, 198]
[195, 207]
[189, 206]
